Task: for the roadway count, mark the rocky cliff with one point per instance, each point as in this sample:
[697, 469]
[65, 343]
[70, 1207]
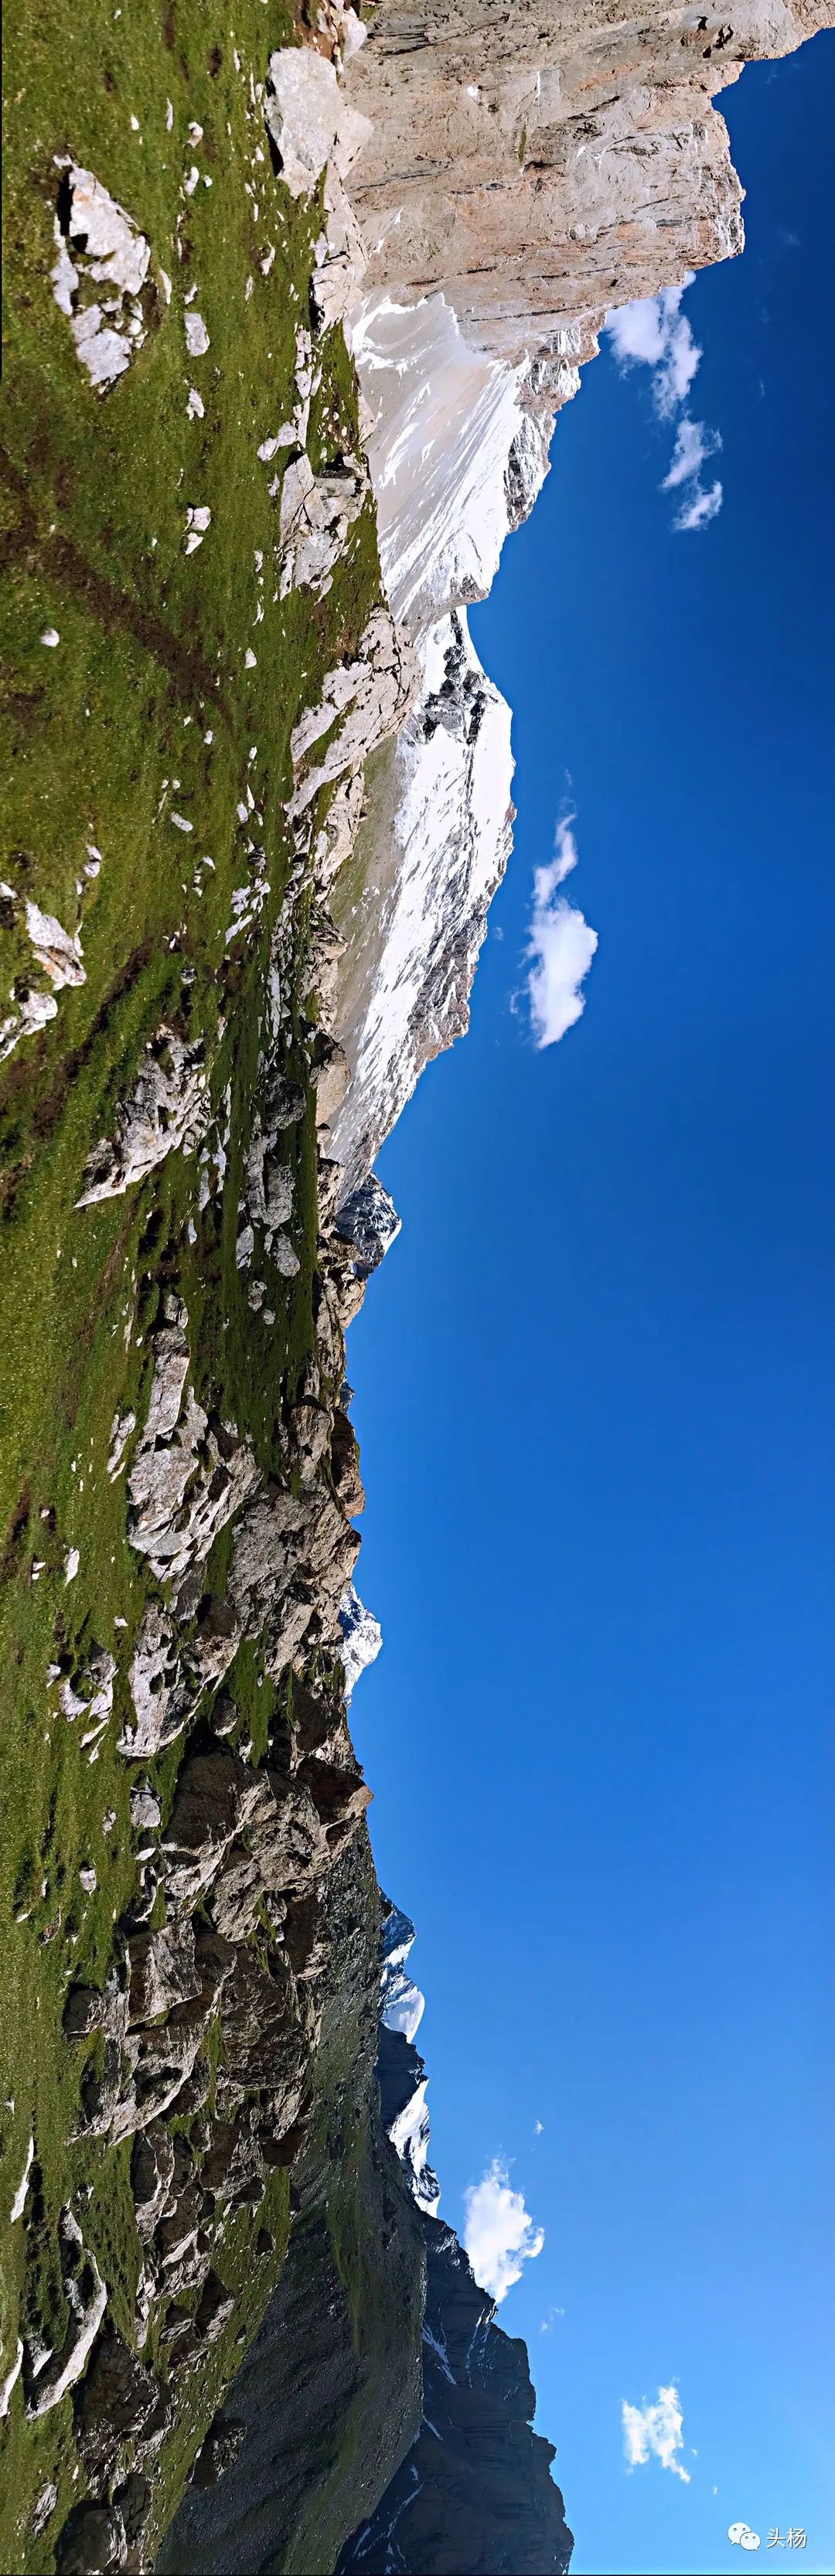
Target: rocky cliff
[525, 170]
[471, 2486]
[328, 2398]
[259, 802]
[538, 165]
[474, 2489]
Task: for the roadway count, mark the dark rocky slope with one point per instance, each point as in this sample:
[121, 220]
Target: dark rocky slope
[328, 2398]
[474, 2493]
[405, 2376]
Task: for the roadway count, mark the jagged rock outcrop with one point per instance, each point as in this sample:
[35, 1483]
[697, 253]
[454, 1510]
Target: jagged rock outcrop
[539, 164]
[100, 278]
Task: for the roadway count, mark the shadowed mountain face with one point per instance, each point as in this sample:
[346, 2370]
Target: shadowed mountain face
[328, 2396]
[474, 2495]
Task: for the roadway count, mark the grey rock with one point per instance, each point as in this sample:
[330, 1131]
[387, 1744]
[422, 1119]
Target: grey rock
[90, 2008]
[370, 694]
[163, 1971]
[99, 275]
[345, 1468]
[87, 2299]
[120, 2401]
[168, 1110]
[93, 2542]
[217, 1796]
[44, 2507]
[151, 2173]
[145, 1809]
[331, 1078]
[214, 2310]
[159, 1688]
[183, 1486]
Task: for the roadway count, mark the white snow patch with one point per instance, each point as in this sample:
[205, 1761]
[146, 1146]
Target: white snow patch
[362, 1637]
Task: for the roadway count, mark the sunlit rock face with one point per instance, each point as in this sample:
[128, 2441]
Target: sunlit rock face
[541, 163]
[526, 169]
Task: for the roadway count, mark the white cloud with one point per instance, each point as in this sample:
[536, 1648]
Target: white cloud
[565, 849]
[700, 509]
[561, 946]
[654, 333]
[499, 2235]
[694, 443]
[657, 2429]
[548, 2321]
[538, 2127]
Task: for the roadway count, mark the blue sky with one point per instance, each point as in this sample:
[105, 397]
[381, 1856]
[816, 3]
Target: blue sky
[593, 1390]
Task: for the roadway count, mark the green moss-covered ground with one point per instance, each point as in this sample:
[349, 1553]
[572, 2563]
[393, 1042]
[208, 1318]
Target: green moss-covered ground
[146, 706]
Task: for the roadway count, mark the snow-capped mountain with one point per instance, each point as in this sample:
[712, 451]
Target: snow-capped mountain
[401, 2072]
[458, 448]
[575, 164]
[362, 1637]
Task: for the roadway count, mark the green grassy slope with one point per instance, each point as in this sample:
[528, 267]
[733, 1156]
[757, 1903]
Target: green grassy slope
[147, 705]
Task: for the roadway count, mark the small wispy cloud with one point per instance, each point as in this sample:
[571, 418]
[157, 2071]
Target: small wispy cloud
[655, 333]
[565, 849]
[560, 947]
[499, 2234]
[547, 2322]
[700, 509]
[655, 2432]
[694, 444]
[538, 2127]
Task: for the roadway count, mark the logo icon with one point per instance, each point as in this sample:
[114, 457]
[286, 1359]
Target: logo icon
[742, 2532]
